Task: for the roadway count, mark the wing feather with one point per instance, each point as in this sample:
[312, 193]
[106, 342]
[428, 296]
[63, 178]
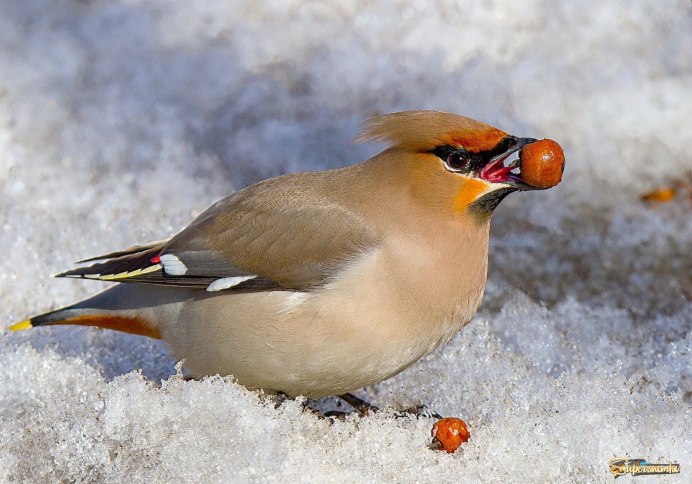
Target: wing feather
[277, 233]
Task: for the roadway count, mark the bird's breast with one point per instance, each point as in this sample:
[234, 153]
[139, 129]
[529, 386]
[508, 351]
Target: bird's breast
[399, 302]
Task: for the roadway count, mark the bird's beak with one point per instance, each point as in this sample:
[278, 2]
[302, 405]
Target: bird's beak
[496, 171]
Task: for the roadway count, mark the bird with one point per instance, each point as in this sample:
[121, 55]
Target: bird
[321, 283]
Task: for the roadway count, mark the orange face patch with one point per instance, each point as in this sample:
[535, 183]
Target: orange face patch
[470, 190]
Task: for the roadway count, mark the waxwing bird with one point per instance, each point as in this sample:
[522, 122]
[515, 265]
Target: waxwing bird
[320, 283]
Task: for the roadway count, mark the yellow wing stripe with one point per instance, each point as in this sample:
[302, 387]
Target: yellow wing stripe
[125, 275]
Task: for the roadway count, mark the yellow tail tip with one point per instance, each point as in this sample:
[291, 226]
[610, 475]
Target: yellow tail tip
[26, 324]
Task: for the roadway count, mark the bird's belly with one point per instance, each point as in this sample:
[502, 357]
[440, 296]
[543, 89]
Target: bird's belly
[350, 334]
[316, 350]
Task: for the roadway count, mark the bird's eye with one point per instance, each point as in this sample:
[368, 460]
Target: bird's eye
[458, 161]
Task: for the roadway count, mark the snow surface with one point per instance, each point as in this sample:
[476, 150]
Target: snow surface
[122, 120]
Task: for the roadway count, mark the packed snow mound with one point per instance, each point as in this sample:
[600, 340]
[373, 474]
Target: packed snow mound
[120, 121]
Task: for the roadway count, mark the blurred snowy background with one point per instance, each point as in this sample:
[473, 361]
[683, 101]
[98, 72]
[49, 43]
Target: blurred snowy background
[122, 120]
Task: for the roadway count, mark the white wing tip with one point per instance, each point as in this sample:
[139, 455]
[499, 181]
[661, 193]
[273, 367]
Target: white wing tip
[228, 282]
[172, 265]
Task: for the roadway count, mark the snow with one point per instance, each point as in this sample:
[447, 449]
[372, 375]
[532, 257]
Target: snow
[122, 120]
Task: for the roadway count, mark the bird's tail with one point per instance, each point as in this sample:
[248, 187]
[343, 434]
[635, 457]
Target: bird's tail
[115, 320]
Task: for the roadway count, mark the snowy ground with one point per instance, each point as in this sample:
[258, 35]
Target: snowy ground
[121, 120]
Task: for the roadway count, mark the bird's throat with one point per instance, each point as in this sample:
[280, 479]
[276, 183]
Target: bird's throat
[484, 206]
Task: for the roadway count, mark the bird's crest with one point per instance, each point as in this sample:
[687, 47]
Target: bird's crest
[426, 130]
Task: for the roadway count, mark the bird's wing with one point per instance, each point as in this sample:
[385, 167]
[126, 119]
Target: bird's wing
[263, 236]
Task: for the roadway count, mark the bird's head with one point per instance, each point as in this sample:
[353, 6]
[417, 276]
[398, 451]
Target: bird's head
[453, 162]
